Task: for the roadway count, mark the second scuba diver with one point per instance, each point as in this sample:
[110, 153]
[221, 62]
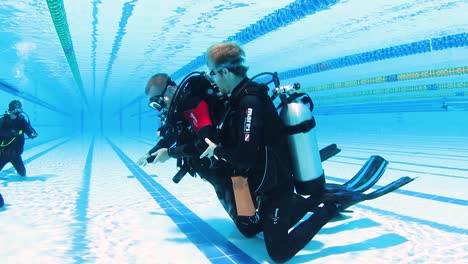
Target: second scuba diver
[192, 110]
[13, 127]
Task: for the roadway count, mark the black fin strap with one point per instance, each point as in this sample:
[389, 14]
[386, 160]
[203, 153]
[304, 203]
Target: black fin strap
[301, 127]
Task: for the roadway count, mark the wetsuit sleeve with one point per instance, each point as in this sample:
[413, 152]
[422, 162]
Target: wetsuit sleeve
[249, 129]
[158, 146]
[185, 150]
[166, 142]
[28, 129]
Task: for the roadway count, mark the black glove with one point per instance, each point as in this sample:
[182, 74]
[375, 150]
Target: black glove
[33, 135]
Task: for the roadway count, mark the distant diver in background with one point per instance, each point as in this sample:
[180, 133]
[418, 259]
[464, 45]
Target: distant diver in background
[13, 126]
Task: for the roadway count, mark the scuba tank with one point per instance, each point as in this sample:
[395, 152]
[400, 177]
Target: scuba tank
[296, 114]
[305, 153]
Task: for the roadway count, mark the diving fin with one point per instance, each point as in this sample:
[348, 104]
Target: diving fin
[328, 152]
[344, 199]
[371, 172]
[365, 178]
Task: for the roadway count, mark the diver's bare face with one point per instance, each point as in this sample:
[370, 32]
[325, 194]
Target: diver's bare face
[219, 77]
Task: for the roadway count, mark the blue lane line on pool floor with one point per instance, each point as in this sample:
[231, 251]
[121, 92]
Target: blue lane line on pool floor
[411, 163]
[213, 245]
[79, 249]
[405, 170]
[425, 153]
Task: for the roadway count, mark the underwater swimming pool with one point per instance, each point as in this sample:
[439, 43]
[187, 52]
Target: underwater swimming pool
[387, 78]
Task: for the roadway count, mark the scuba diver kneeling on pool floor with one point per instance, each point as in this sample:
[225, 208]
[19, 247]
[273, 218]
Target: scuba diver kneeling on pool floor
[265, 150]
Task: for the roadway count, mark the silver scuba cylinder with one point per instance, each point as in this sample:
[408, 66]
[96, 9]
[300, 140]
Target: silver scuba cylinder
[305, 153]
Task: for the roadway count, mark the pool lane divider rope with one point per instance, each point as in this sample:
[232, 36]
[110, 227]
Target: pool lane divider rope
[59, 19]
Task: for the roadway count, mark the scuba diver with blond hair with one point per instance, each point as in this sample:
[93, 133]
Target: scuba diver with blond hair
[258, 147]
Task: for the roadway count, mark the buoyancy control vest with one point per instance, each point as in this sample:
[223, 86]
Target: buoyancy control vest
[193, 110]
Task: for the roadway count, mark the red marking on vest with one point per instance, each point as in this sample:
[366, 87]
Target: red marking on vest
[199, 116]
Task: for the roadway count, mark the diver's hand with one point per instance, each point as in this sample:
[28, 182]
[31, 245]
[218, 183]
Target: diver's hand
[161, 155]
[209, 151]
[143, 160]
[33, 135]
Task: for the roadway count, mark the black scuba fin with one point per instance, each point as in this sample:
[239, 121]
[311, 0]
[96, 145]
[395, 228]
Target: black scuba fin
[344, 199]
[329, 151]
[364, 179]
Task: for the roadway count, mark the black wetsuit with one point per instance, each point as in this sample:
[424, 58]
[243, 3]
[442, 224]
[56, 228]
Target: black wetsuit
[190, 120]
[12, 141]
[252, 130]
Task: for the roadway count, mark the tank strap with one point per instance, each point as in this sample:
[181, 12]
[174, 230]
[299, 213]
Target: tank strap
[301, 127]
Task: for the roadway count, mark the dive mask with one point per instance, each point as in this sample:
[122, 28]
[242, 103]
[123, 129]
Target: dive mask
[158, 102]
[15, 107]
[17, 111]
